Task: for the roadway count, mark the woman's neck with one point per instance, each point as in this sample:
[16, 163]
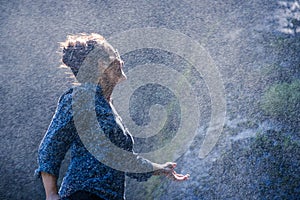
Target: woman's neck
[107, 88]
[107, 91]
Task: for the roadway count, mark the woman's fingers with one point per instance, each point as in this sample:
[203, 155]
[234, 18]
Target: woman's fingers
[181, 176]
[177, 177]
[172, 174]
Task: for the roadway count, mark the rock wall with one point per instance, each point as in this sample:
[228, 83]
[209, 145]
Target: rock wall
[245, 40]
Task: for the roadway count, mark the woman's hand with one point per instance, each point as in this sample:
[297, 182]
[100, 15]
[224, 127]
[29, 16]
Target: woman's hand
[167, 170]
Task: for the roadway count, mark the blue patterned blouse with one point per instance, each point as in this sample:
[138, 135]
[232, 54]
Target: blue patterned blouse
[85, 172]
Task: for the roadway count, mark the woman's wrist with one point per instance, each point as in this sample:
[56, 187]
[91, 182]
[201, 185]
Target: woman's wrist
[157, 169]
[157, 166]
[163, 169]
[53, 197]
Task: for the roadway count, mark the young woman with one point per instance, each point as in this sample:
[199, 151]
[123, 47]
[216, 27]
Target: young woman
[87, 178]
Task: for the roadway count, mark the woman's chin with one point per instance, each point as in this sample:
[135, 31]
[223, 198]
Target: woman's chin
[123, 78]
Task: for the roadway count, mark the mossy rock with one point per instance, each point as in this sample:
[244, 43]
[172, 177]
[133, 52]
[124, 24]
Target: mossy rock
[283, 101]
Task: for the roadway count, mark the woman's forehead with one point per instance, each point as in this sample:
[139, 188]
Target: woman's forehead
[115, 56]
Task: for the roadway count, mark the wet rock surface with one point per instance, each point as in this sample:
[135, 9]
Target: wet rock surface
[254, 45]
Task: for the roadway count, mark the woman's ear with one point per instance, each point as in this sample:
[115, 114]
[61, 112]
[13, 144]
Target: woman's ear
[89, 71]
[101, 66]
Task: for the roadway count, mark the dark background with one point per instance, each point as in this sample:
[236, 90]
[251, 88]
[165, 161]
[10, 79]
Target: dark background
[249, 43]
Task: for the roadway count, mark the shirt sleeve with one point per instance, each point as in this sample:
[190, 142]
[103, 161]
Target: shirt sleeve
[114, 146]
[57, 139]
[138, 164]
[141, 162]
[145, 175]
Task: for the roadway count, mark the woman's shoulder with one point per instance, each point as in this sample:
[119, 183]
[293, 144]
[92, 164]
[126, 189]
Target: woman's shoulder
[67, 95]
[86, 88]
[86, 93]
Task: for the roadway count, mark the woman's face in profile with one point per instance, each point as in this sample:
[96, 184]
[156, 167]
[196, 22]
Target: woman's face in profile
[115, 72]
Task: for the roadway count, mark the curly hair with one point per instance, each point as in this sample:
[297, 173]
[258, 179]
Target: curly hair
[77, 47]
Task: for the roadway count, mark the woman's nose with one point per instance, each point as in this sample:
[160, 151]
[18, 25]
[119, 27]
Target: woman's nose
[123, 76]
